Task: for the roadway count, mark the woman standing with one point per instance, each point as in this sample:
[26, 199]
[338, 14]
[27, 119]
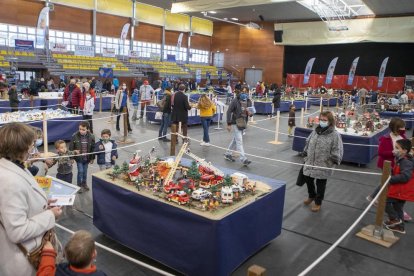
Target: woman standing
[24, 212]
[121, 102]
[323, 149]
[166, 116]
[207, 110]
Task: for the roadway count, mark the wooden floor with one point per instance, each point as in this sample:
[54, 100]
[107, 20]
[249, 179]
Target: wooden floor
[305, 235]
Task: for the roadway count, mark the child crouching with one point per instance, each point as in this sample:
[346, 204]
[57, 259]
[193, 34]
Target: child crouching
[106, 151]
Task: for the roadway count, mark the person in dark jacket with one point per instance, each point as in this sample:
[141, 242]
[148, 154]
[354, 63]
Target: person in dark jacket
[401, 186]
[166, 116]
[105, 149]
[84, 142]
[13, 99]
[180, 109]
[291, 120]
[276, 100]
[72, 96]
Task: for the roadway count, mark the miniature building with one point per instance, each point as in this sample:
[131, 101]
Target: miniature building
[239, 179]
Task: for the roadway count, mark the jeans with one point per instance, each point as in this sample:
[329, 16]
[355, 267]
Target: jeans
[166, 119]
[82, 173]
[237, 143]
[105, 166]
[65, 177]
[319, 194]
[205, 121]
[394, 208]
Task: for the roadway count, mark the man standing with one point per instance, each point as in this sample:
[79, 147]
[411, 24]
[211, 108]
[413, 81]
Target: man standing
[72, 96]
[236, 122]
[362, 93]
[146, 91]
[180, 109]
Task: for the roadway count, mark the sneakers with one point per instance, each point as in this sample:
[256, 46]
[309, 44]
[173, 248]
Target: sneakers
[392, 222]
[229, 157]
[399, 228]
[308, 201]
[207, 144]
[407, 217]
[316, 208]
[246, 162]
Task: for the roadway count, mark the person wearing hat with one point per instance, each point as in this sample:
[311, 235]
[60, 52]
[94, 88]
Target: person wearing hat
[146, 91]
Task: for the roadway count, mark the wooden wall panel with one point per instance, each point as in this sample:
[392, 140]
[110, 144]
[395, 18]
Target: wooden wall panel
[201, 42]
[110, 25]
[71, 20]
[20, 12]
[244, 48]
[148, 33]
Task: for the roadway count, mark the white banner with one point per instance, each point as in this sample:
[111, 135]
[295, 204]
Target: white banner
[124, 32]
[331, 70]
[108, 52]
[42, 25]
[58, 47]
[81, 50]
[133, 54]
[180, 39]
[382, 71]
[352, 70]
[308, 70]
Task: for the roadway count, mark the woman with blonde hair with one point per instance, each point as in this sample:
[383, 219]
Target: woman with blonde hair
[207, 111]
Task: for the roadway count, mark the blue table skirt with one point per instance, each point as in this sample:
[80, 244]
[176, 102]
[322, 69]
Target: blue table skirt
[187, 242]
[192, 120]
[331, 101]
[266, 107]
[408, 117]
[59, 129]
[45, 103]
[352, 153]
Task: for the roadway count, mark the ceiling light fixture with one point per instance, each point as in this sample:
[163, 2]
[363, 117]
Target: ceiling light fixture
[235, 19]
[212, 12]
[248, 25]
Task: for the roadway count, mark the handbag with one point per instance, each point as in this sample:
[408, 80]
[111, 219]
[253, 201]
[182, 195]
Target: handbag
[158, 115]
[301, 180]
[161, 103]
[241, 123]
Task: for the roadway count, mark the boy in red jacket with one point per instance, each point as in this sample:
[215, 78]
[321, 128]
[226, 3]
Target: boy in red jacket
[401, 186]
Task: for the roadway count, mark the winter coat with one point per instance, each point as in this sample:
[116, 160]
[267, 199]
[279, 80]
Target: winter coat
[385, 148]
[324, 149]
[118, 99]
[64, 270]
[167, 106]
[73, 98]
[207, 107]
[146, 92]
[24, 214]
[89, 106]
[83, 98]
[13, 99]
[100, 157]
[135, 97]
[235, 111]
[291, 120]
[276, 99]
[75, 144]
[180, 108]
[401, 185]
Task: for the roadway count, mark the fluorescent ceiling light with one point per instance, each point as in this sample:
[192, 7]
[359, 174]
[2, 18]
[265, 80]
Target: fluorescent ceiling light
[235, 19]
[248, 25]
[213, 12]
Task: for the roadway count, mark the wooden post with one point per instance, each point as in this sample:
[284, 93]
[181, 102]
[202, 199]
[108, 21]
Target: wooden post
[31, 101]
[100, 102]
[276, 141]
[125, 117]
[45, 140]
[173, 139]
[376, 233]
[302, 111]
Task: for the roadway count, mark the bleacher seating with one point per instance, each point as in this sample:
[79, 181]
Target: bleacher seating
[16, 53]
[163, 67]
[72, 62]
[205, 68]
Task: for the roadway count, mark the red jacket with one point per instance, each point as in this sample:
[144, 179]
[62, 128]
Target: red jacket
[402, 180]
[385, 148]
[76, 96]
[83, 97]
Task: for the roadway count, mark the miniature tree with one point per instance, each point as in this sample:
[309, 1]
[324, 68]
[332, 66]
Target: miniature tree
[228, 181]
[147, 163]
[193, 172]
[116, 171]
[125, 167]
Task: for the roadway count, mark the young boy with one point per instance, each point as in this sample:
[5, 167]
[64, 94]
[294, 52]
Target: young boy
[84, 142]
[401, 186]
[106, 151]
[64, 169]
[291, 120]
[79, 251]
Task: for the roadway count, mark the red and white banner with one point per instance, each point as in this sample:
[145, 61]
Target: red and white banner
[108, 52]
[58, 47]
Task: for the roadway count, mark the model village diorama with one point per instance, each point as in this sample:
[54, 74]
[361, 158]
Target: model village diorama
[198, 187]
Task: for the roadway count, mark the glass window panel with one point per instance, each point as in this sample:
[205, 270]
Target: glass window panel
[33, 31]
[116, 41]
[3, 27]
[81, 42]
[74, 36]
[59, 34]
[22, 30]
[82, 36]
[66, 35]
[67, 41]
[98, 38]
[109, 40]
[88, 43]
[88, 37]
[32, 37]
[12, 28]
[103, 39]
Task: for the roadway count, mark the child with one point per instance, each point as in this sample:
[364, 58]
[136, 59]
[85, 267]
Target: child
[79, 251]
[64, 169]
[84, 142]
[106, 159]
[33, 169]
[401, 186]
[291, 120]
[135, 103]
[88, 108]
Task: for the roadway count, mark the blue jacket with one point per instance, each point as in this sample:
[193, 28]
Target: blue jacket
[101, 155]
[135, 97]
[64, 270]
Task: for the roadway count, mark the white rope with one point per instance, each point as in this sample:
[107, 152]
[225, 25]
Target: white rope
[283, 161]
[162, 272]
[333, 246]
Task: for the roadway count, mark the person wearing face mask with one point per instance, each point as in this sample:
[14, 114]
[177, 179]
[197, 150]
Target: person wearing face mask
[25, 214]
[35, 153]
[88, 105]
[146, 91]
[106, 152]
[86, 88]
[323, 150]
[72, 96]
[122, 101]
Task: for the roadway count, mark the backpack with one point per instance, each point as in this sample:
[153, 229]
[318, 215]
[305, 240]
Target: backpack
[161, 104]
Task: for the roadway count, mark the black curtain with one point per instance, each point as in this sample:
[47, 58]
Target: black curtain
[371, 55]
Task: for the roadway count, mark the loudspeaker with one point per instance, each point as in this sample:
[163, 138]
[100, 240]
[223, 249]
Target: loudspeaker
[278, 36]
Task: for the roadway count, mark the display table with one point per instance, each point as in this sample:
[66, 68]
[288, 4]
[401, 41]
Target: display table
[192, 120]
[362, 153]
[408, 117]
[314, 100]
[266, 107]
[177, 237]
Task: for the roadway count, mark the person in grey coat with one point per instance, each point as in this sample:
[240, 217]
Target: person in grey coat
[24, 212]
[323, 148]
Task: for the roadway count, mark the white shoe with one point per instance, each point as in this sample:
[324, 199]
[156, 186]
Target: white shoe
[203, 143]
[206, 144]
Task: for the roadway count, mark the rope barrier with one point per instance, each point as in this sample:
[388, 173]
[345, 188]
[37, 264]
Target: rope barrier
[119, 254]
[334, 245]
